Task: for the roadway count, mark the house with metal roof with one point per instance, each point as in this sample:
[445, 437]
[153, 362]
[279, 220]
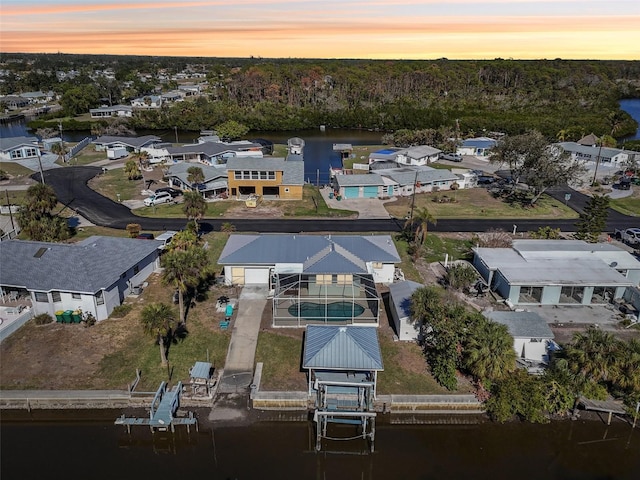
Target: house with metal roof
[360, 185]
[314, 278]
[532, 337]
[479, 147]
[213, 186]
[19, 148]
[112, 111]
[272, 178]
[94, 275]
[558, 272]
[347, 357]
[131, 144]
[406, 328]
[418, 155]
[596, 153]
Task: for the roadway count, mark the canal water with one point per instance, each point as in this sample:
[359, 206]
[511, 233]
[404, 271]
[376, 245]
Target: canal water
[632, 107]
[87, 445]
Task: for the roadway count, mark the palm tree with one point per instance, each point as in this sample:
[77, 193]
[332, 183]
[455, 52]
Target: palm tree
[194, 206]
[419, 223]
[227, 227]
[592, 354]
[184, 269]
[489, 352]
[142, 158]
[158, 320]
[61, 150]
[626, 369]
[195, 175]
[132, 169]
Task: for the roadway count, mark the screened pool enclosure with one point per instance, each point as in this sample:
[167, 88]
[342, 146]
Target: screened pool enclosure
[324, 299]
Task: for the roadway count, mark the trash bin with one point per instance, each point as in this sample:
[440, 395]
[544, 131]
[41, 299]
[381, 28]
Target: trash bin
[59, 317]
[67, 316]
[229, 310]
[76, 316]
[330, 194]
[339, 197]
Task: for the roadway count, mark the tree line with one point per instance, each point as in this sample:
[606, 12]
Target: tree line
[476, 96]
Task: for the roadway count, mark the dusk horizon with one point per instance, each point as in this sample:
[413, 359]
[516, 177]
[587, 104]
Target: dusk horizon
[409, 30]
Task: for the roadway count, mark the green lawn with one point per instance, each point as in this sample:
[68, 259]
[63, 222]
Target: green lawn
[628, 205]
[15, 169]
[114, 182]
[312, 205]
[281, 358]
[478, 203]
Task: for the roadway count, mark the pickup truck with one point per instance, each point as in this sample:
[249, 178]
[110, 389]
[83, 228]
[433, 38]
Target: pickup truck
[629, 235]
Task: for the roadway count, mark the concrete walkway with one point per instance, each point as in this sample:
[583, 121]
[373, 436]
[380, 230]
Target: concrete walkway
[238, 369]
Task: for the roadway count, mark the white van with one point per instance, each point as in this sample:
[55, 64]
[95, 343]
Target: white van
[165, 238]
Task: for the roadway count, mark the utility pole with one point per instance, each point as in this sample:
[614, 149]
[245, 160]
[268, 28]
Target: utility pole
[413, 199]
[176, 130]
[595, 173]
[13, 227]
[40, 166]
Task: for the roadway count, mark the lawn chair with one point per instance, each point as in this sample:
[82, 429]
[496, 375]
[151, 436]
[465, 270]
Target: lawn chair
[224, 324]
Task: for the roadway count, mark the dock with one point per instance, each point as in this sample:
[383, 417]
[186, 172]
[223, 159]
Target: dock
[162, 415]
[606, 406]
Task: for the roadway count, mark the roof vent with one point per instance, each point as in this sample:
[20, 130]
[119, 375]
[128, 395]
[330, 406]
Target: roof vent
[40, 252]
[343, 329]
[613, 264]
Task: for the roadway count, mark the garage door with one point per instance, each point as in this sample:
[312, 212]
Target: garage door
[370, 192]
[351, 192]
[256, 276]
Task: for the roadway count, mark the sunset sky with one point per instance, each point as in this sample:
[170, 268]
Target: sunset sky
[399, 29]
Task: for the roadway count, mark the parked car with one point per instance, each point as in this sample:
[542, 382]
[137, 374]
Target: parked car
[158, 198]
[166, 238]
[174, 192]
[622, 185]
[630, 235]
[452, 157]
[485, 180]
[145, 236]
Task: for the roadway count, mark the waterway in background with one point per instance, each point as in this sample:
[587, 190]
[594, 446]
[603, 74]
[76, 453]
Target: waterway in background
[632, 107]
[318, 151]
[86, 445]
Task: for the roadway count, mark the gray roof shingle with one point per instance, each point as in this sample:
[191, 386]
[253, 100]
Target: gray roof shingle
[84, 267]
[522, 324]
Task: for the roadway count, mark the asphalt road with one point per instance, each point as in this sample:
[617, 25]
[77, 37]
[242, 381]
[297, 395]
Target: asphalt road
[70, 185]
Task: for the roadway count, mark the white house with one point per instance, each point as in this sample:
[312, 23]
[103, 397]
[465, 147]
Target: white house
[253, 259]
[532, 337]
[95, 275]
[19, 148]
[558, 272]
[478, 147]
[418, 155]
[114, 111]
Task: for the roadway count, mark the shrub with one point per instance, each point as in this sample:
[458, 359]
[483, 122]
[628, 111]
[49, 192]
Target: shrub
[121, 310]
[42, 319]
[133, 229]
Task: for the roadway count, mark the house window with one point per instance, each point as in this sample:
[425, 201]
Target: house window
[30, 152]
[136, 269]
[246, 175]
[255, 175]
[263, 175]
[377, 265]
[41, 297]
[55, 296]
[99, 298]
[323, 279]
[571, 294]
[271, 175]
[344, 279]
[76, 296]
[529, 294]
[16, 154]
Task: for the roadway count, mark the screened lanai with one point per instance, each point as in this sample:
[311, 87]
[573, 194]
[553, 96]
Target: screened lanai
[324, 299]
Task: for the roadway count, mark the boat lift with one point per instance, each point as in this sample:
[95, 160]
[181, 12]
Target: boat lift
[162, 415]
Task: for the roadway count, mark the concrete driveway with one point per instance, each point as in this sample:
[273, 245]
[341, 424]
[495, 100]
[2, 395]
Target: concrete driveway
[238, 367]
[366, 207]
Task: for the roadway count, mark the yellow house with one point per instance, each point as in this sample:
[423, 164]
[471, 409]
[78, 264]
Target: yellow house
[271, 178]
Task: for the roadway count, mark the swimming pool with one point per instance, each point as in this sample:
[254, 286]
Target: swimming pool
[332, 312]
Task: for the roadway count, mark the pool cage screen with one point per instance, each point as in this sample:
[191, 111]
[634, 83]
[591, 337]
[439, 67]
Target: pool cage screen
[324, 299]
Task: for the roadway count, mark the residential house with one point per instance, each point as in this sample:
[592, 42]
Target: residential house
[364, 185]
[419, 155]
[213, 186]
[38, 97]
[211, 152]
[147, 101]
[172, 96]
[314, 278]
[95, 275]
[532, 337]
[113, 111]
[274, 178]
[557, 272]
[479, 147]
[13, 102]
[132, 144]
[597, 153]
[19, 148]
[406, 328]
